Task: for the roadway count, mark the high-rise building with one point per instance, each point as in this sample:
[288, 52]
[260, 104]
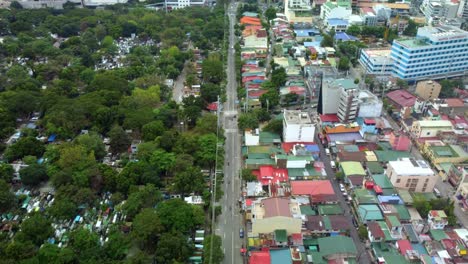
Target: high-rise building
[340, 9]
[376, 61]
[339, 96]
[298, 126]
[435, 53]
[435, 10]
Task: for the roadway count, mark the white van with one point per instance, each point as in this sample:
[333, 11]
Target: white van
[332, 164]
[342, 188]
[327, 151]
[437, 192]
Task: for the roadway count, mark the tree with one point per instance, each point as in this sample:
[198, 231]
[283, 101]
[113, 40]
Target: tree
[35, 229]
[146, 228]
[262, 115]
[278, 77]
[33, 175]
[119, 140]
[421, 205]
[354, 30]
[117, 246]
[207, 124]
[206, 154]
[189, 180]
[291, 98]
[92, 142]
[248, 121]
[6, 172]
[327, 41]
[50, 253]
[212, 69]
[270, 13]
[152, 130]
[63, 209]
[145, 197]
[411, 29]
[177, 215]
[402, 84]
[210, 92]
[7, 198]
[362, 232]
[24, 147]
[448, 86]
[173, 248]
[85, 244]
[248, 176]
[343, 64]
[216, 256]
[339, 176]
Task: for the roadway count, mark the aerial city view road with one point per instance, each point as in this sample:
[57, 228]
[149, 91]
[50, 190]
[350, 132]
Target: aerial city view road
[234, 132]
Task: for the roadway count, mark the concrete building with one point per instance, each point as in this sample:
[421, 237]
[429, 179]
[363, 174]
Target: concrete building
[336, 24]
[369, 104]
[343, 91]
[435, 53]
[275, 213]
[368, 16]
[437, 10]
[298, 11]
[412, 175]
[184, 3]
[437, 219]
[55, 4]
[428, 90]
[376, 61]
[298, 126]
[340, 9]
[430, 128]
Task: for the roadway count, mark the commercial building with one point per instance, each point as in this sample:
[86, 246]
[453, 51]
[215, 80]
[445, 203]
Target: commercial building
[376, 61]
[437, 219]
[412, 175]
[55, 4]
[403, 102]
[343, 91]
[428, 90]
[435, 53]
[430, 128]
[298, 11]
[369, 104]
[298, 126]
[340, 9]
[435, 10]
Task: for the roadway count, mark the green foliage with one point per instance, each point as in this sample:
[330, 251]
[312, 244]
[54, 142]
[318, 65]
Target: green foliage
[206, 154]
[212, 69]
[85, 244]
[278, 77]
[145, 197]
[93, 144]
[146, 227]
[153, 130]
[6, 172]
[354, 30]
[248, 121]
[33, 175]
[23, 147]
[411, 29]
[7, 198]
[448, 86]
[173, 248]
[119, 140]
[339, 176]
[270, 13]
[327, 41]
[343, 64]
[247, 175]
[35, 229]
[188, 180]
[216, 256]
[274, 126]
[177, 215]
[63, 209]
[362, 232]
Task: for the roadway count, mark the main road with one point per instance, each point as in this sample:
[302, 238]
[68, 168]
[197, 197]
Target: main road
[230, 220]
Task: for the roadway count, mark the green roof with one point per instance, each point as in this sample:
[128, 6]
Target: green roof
[269, 138]
[264, 149]
[364, 196]
[390, 155]
[352, 168]
[385, 145]
[382, 181]
[307, 171]
[438, 234]
[386, 231]
[259, 162]
[389, 192]
[281, 235]
[427, 196]
[292, 157]
[250, 14]
[443, 151]
[307, 210]
[369, 212]
[460, 152]
[405, 196]
[374, 167]
[330, 209]
[258, 156]
[390, 254]
[403, 213]
[310, 241]
[412, 42]
[393, 220]
[326, 222]
[336, 245]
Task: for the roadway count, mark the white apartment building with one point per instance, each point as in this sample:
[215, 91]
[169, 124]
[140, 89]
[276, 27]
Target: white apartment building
[340, 9]
[339, 96]
[412, 175]
[184, 3]
[369, 104]
[298, 126]
[434, 10]
[297, 11]
[435, 53]
[376, 61]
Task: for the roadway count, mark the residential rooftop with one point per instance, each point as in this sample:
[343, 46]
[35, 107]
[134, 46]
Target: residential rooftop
[411, 167]
[297, 117]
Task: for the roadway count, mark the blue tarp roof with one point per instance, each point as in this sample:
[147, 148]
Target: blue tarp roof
[306, 32]
[391, 199]
[52, 138]
[312, 148]
[344, 37]
[337, 21]
[77, 218]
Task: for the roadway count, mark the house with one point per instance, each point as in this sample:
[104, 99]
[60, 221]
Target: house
[336, 247]
[438, 154]
[402, 101]
[260, 257]
[403, 246]
[399, 141]
[410, 174]
[319, 191]
[394, 226]
[437, 219]
[298, 126]
[270, 214]
[318, 224]
[374, 232]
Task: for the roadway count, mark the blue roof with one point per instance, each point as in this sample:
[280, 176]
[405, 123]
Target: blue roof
[312, 44]
[280, 256]
[77, 218]
[337, 21]
[52, 138]
[312, 148]
[391, 199]
[306, 32]
[344, 37]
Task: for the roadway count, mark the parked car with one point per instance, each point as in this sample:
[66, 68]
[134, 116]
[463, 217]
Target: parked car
[241, 233]
[342, 188]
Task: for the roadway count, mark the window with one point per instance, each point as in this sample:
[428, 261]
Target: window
[398, 180]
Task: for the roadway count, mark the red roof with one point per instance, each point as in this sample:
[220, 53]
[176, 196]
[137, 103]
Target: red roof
[287, 146]
[369, 121]
[330, 118]
[269, 174]
[454, 102]
[319, 190]
[257, 93]
[403, 246]
[261, 33]
[212, 106]
[377, 189]
[248, 202]
[402, 98]
[260, 257]
[375, 230]
[276, 206]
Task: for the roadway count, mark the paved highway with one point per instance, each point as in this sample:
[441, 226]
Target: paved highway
[230, 221]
